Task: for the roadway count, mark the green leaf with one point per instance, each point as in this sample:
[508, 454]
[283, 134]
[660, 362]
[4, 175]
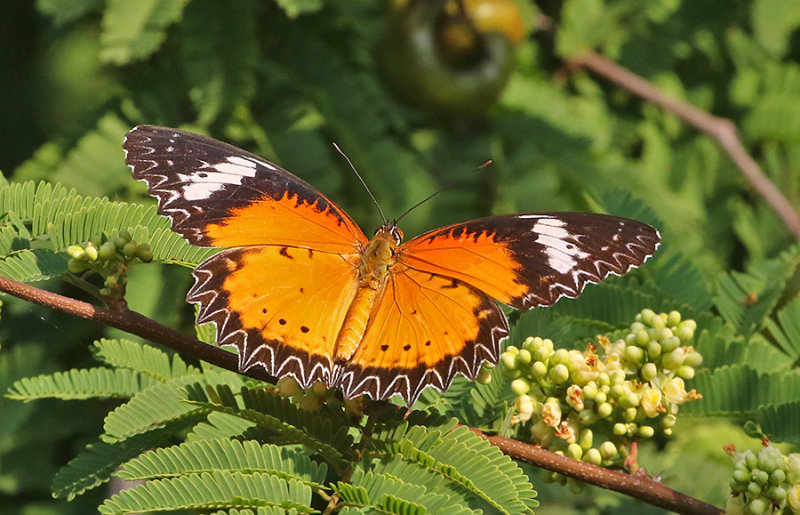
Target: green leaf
[786, 331]
[456, 461]
[96, 464]
[33, 265]
[141, 358]
[81, 384]
[134, 30]
[781, 423]
[295, 8]
[773, 23]
[220, 63]
[221, 489]
[65, 12]
[223, 454]
[326, 433]
[152, 409]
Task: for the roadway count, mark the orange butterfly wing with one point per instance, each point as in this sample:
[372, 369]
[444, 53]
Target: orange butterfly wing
[280, 295]
[530, 260]
[425, 329]
[436, 317]
[218, 195]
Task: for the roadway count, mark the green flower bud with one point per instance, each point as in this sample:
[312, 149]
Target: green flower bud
[670, 344]
[608, 450]
[673, 318]
[685, 372]
[617, 377]
[693, 359]
[91, 252]
[560, 356]
[664, 334]
[668, 420]
[757, 506]
[617, 391]
[105, 291]
[587, 417]
[76, 252]
[508, 360]
[590, 390]
[653, 350]
[77, 267]
[542, 354]
[777, 477]
[741, 475]
[646, 431]
[778, 494]
[751, 460]
[593, 456]
[129, 249]
[648, 372]
[629, 415]
[575, 486]
[620, 429]
[112, 281]
[311, 402]
[586, 438]
[673, 360]
[125, 235]
[96, 240]
[759, 476]
[601, 397]
[538, 369]
[637, 326]
[634, 354]
[520, 386]
[287, 386]
[107, 250]
[117, 241]
[559, 373]
[484, 375]
[605, 409]
[647, 316]
[144, 253]
[603, 380]
[685, 331]
[642, 338]
[574, 451]
[523, 356]
[658, 322]
[319, 388]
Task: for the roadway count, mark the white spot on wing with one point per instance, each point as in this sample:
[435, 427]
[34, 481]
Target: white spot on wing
[562, 255]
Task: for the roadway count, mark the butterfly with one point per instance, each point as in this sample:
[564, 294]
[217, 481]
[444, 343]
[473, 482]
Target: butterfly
[301, 291]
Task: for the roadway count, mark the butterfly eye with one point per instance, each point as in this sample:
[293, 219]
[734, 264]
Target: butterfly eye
[397, 233]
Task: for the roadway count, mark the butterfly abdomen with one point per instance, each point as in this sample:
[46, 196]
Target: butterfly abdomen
[376, 258]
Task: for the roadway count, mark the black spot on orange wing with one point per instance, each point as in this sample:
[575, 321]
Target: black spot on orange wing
[285, 252]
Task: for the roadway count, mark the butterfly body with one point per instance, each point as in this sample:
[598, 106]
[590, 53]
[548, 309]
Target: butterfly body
[300, 290]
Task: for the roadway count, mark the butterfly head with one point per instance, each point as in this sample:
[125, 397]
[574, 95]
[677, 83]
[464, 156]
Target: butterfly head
[390, 229]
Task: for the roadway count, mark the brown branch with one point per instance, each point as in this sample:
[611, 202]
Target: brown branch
[722, 129]
[134, 323]
[638, 487]
[131, 322]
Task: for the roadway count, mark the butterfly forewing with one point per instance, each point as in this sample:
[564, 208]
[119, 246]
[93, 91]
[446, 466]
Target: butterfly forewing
[281, 295]
[220, 196]
[531, 260]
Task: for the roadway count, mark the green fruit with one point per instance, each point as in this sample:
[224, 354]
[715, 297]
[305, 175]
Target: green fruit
[440, 61]
[107, 250]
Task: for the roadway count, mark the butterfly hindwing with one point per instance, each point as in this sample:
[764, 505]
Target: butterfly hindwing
[220, 196]
[281, 307]
[530, 260]
[424, 330]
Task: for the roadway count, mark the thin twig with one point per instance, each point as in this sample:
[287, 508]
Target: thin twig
[134, 323]
[638, 487]
[722, 129]
[131, 322]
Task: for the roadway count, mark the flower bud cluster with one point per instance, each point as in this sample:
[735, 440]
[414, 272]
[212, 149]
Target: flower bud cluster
[592, 405]
[109, 256]
[767, 482]
[312, 399]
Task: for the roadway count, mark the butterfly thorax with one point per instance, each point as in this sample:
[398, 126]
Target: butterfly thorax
[377, 257]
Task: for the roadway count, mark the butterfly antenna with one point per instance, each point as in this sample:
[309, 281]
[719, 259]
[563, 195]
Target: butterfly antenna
[383, 217]
[446, 186]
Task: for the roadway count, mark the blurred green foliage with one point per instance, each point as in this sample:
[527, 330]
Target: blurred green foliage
[285, 78]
